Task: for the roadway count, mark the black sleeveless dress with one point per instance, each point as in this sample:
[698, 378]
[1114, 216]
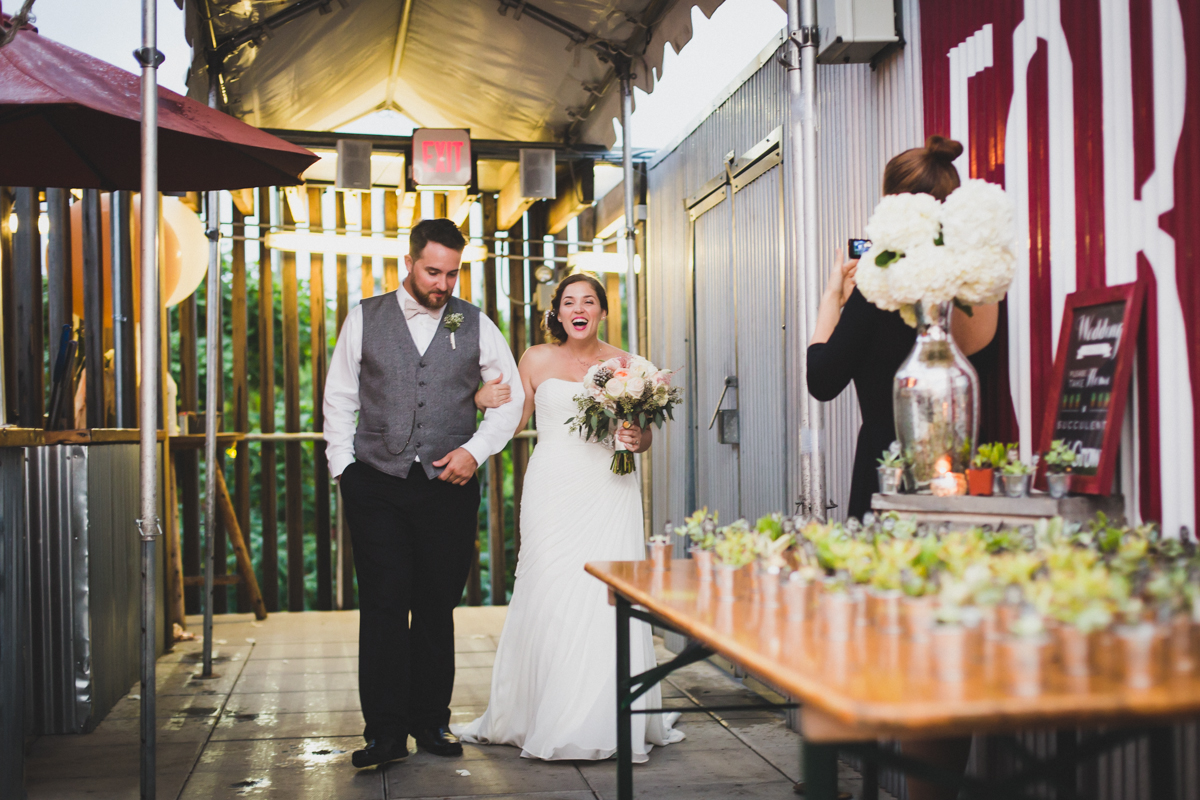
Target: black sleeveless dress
[867, 347]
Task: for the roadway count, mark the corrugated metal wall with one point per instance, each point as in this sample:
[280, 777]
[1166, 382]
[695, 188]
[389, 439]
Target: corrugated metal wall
[747, 281]
[84, 567]
[115, 572]
[759, 280]
[718, 467]
[60, 633]
[12, 622]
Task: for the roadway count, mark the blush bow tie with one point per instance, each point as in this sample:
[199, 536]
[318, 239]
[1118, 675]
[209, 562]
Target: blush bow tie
[412, 309]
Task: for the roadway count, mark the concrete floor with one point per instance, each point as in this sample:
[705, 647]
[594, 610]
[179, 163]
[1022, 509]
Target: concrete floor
[281, 717]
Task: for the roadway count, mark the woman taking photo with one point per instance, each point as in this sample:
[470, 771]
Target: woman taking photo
[855, 340]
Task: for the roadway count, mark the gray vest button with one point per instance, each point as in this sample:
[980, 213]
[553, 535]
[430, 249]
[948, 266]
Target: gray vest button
[421, 404]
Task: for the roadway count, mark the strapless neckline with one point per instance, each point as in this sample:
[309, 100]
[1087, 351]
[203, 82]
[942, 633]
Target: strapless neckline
[560, 380]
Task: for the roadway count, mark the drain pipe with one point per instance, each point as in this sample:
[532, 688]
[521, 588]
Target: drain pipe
[148, 526]
[802, 105]
[631, 298]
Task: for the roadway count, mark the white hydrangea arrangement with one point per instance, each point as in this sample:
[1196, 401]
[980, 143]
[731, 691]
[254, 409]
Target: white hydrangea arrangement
[925, 251]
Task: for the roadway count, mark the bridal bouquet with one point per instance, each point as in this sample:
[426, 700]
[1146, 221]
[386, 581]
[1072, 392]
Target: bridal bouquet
[926, 251]
[627, 390]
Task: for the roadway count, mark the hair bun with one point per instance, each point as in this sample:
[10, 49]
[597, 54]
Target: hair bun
[943, 149]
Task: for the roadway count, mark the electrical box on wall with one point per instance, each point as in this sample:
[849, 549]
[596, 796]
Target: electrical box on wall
[854, 31]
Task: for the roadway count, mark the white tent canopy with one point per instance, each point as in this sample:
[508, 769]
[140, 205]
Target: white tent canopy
[505, 69]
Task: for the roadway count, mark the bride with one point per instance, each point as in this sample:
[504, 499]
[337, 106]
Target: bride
[554, 681]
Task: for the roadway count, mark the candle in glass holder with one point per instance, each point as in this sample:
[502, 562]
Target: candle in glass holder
[947, 483]
[944, 485]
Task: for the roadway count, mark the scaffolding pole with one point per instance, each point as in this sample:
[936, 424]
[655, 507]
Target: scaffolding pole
[212, 355]
[150, 58]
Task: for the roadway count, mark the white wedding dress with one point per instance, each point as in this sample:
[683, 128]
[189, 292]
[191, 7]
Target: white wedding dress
[554, 680]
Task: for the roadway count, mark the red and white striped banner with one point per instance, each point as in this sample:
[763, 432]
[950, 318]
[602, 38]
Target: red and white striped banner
[1088, 112]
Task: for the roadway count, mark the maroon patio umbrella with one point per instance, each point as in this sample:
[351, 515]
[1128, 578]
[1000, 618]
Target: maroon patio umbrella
[70, 120]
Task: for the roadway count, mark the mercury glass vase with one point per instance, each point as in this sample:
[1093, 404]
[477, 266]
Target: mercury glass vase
[935, 399]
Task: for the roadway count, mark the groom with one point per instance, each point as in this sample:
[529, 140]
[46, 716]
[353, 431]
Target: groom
[408, 364]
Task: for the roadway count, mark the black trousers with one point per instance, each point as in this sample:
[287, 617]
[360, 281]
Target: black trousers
[414, 539]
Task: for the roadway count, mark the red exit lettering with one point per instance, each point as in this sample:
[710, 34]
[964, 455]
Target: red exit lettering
[439, 155]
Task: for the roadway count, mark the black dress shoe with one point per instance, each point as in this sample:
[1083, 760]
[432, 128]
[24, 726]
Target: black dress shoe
[439, 741]
[380, 751]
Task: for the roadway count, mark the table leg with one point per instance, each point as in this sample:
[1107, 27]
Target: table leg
[624, 715]
[1162, 762]
[820, 771]
[870, 773]
[1065, 783]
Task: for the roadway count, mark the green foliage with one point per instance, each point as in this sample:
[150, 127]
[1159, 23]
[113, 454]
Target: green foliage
[994, 455]
[309, 451]
[1059, 458]
[1017, 467]
[887, 258]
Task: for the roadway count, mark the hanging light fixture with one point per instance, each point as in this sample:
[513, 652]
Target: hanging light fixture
[589, 261]
[366, 246]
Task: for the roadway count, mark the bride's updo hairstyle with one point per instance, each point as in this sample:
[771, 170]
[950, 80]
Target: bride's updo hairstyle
[924, 170]
[551, 324]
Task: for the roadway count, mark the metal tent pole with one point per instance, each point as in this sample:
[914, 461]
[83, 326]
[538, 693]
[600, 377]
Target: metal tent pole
[212, 303]
[150, 59]
[802, 90]
[631, 316]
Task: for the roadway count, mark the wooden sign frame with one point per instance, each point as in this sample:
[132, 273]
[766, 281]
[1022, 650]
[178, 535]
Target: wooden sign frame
[1132, 294]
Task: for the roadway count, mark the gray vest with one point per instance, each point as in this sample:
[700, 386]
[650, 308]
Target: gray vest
[412, 404]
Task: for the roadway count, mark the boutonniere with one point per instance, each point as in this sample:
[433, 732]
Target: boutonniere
[452, 323]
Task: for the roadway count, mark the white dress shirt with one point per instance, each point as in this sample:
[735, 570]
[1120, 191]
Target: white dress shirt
[341, 385]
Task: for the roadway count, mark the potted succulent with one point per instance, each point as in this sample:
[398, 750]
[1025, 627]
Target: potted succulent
[884, 595]
[1016, 476]
[1025, 652]
[735, 548]
[891, 470]
[772, 561]
[981, 474]
[952, 630]
[660, 552]
[701, 529]
[1059, 460]
[950, 645]
[837, 606]
[797, 591]
[917, 607]
[1140, 658]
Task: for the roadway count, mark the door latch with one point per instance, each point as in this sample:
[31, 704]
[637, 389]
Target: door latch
[727, 432]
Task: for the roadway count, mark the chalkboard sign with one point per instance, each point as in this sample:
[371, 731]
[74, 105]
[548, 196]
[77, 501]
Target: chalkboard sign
[1086, 407]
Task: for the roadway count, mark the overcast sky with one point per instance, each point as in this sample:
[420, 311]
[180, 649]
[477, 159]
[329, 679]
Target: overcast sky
[721, 47]
[112, 29]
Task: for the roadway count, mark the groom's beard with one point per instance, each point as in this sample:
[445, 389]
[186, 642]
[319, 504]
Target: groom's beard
[432, 300]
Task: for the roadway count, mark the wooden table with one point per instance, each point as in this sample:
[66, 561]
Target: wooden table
[875, 686]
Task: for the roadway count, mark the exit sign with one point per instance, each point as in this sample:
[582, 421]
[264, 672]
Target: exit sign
[441, 157]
